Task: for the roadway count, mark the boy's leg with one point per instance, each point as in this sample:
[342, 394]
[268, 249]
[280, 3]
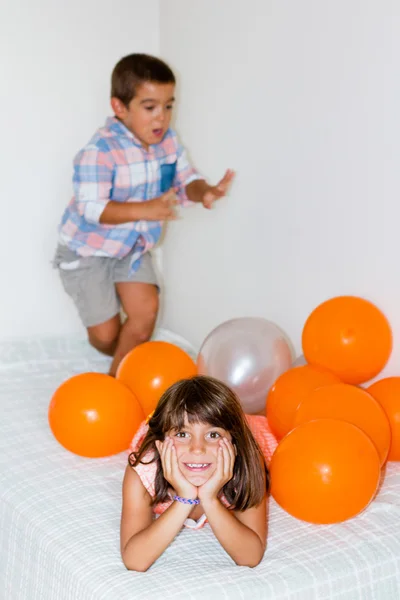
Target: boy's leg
[140, 303]
[98, 286]
[89, 282]
[104, 337]
[138, 294]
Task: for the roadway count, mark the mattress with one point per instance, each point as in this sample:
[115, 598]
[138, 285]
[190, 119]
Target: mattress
[59, 515]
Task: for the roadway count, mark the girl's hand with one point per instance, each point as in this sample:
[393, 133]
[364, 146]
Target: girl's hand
[172, 472]
[222, 474]
[218, 191]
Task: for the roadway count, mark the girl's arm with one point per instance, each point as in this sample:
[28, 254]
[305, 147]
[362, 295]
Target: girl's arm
[243, 535]
[143, 539]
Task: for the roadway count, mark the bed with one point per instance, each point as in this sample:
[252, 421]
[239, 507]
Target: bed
[59, 516]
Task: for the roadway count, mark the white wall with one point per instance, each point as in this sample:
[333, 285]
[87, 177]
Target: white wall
[55, 69]
[302, 99]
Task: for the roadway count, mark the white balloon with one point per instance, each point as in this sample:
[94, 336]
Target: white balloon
[248, 354]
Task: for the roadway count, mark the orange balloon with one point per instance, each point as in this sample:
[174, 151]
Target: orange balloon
[94, 415]
[387, 393]
[151, 368]
[287, 393]
[348, 336]
[348, 403]
[325, 471]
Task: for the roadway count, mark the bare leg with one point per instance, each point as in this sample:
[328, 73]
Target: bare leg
[104, 337]
[140, 303]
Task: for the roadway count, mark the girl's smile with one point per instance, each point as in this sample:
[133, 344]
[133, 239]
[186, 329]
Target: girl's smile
[197, 466]
[196, 447]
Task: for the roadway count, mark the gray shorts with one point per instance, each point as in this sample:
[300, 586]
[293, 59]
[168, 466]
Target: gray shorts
[91, 282]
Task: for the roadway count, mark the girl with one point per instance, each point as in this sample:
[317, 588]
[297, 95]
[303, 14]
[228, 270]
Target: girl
[198, 458]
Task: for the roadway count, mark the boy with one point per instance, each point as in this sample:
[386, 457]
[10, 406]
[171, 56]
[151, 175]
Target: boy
[126, 183]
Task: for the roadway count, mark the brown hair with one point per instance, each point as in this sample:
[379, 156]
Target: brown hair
[207, 400]
[135, 69]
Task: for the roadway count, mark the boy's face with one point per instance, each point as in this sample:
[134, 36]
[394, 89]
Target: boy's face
[148, 115]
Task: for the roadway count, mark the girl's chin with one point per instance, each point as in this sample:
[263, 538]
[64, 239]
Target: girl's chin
[198, 478]
[197, 481]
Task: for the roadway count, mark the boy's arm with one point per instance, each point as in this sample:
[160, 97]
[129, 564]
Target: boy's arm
[185, 176]
[143, 539]
[201, 191]
[192, 186]
[93, 175]
[158, 209]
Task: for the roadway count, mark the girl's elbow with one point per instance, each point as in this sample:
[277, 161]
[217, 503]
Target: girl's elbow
[256, 562]
[136, 568]
[249, 563]
[134, 565]
[252, 561]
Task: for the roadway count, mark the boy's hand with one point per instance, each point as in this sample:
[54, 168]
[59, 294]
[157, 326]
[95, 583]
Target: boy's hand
[222, 474]
[172, 472]
[161, 208]
[218, 191]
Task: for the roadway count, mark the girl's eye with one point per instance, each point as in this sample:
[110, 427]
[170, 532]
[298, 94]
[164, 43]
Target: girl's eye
[214, 435]
[149, 107]
[170, 107]
[181, 434]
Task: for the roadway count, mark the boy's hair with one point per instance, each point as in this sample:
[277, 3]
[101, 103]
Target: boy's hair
[135, 69]
[207, 400]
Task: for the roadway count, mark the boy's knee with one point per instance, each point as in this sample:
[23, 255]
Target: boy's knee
[103, 345]
[104, 337]
[141, 327]
[146, 316]
[151, 310]
[140, 331]
[143, 335]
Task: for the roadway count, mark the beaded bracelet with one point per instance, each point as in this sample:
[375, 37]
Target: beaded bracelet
[186, 500]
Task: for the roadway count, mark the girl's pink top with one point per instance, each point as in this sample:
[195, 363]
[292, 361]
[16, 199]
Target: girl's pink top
[147, 471]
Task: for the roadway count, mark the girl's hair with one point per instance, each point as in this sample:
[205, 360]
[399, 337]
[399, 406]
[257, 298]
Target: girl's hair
[207, 400]
[135, 69]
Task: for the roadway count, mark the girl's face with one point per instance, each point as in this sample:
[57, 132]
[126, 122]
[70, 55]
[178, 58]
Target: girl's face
[196, 450]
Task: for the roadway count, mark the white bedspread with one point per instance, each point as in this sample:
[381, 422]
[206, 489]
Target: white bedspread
[59, 516]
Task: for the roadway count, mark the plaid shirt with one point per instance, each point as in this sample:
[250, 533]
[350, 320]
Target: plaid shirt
[115, 166]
